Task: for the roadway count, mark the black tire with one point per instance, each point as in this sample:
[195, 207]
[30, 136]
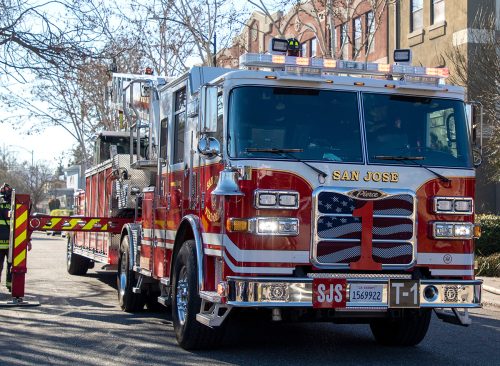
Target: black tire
[75, 264]
[409, 330]
[126, 280]
[186, 303]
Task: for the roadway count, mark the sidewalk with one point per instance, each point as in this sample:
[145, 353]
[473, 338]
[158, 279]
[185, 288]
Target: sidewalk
[491, 291]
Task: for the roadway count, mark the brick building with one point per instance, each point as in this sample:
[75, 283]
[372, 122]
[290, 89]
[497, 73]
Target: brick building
[433, 29]
[430, 28]
[356, 33]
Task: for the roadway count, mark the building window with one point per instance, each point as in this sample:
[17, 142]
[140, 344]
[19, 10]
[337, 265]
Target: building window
[253, 33]
[370, 32]
[437, 11]
[417, 15]
[313, 45]
[303, 49]
[344, 40]
[179, 125]
[357, 32]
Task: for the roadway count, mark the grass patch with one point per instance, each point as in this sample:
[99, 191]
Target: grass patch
[489, 242]
[489, 266]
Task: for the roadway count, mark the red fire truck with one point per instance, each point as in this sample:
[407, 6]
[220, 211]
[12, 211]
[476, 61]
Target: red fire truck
[311, 189]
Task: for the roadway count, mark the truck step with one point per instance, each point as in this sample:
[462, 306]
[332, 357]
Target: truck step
[205, 319]
[212, 314]
[138, 286]
[210, 296]
[455, 318]
[109, 267]
[165, 281]
[164, 300]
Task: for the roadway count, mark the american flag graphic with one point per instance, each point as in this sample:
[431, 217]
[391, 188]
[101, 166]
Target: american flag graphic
[339, 232]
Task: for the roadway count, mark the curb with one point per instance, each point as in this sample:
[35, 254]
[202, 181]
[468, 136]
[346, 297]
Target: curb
[490, 289]
[489, 304]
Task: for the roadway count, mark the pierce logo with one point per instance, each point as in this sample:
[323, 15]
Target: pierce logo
[367, 194]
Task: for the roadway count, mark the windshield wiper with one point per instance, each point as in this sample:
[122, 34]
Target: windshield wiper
[288, 153]
[413, 159]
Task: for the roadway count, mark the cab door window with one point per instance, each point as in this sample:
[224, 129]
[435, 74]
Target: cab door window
[163, 138]
[179, 124]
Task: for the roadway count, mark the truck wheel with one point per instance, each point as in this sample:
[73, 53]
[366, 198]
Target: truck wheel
[75, 264]
[409, 330]
[186, 303]
[126, 280]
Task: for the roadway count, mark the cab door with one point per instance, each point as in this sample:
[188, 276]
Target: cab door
[163, 235]
[210, 208]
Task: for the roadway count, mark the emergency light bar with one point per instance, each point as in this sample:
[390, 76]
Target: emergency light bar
[326, 66]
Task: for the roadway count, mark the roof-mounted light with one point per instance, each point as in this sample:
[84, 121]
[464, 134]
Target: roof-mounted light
[402, 56]
[435, 71]
[319, 66]
[279, 45]
[329, 63]
[278, 59]
[303, 61]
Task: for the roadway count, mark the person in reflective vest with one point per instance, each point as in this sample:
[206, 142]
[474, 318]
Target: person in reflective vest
[5, 196]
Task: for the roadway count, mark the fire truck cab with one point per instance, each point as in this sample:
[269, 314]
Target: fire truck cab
[312, 189]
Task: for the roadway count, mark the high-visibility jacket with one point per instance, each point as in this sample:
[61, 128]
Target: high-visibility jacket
[4, 225]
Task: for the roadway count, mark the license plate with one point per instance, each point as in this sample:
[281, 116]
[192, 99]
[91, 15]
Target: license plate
[404, 294]
[329, 293]
[365, 293]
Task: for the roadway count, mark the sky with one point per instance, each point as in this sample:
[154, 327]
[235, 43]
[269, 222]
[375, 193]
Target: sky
[47, 146]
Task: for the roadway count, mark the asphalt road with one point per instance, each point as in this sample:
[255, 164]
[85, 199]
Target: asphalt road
[80, 323]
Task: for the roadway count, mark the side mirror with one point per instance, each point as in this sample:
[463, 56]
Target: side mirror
[209, 120]
[209, 147]
[475, 116]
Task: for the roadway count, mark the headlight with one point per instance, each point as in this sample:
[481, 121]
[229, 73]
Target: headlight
[283, 226]
[289, 200]
[453, 230]
[463, 206]
[267, 199]
[463, 231]
[276, 226]
[454, 205]
[443, 205]
[276, 199]
[267, 226]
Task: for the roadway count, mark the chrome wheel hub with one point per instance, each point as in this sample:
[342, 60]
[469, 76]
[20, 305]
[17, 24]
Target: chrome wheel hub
[123, 277]
[68, 252]
[182, 295]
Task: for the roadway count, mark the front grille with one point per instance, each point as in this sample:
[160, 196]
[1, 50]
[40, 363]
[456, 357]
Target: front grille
[338, 226]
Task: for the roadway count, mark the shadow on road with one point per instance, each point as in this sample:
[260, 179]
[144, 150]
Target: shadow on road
[80, 323]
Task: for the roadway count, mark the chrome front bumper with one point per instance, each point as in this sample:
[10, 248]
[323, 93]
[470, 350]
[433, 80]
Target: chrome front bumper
[297, 292]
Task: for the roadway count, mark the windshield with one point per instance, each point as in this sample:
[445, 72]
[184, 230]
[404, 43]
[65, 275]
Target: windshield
[317, 124]
[432, 130]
